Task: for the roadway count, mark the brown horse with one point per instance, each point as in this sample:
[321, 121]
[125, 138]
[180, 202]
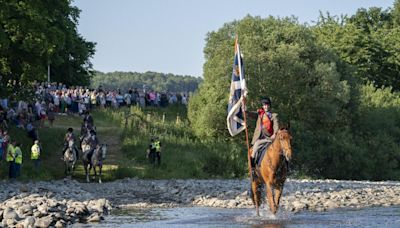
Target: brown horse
[272, 171]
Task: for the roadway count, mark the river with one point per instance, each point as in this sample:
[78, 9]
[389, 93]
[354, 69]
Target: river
[221, 217]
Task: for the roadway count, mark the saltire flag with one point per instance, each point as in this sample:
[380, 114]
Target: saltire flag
[235, 119]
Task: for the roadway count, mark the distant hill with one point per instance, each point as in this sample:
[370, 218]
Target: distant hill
[152, 80]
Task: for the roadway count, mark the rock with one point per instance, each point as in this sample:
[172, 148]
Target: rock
[29, 222]
[9, 213]
[10, 221]
[94, 218]
[330, 204]
[25, 209]
[354, 201]
[59, 224]
[43, 222]
[24, 188]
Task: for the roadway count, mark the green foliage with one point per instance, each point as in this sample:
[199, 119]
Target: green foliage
[152, 80]
[34, 34]
[183, 154]
[368, 40]
[340, 129]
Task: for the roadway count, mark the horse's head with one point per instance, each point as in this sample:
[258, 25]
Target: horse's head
[285, 138]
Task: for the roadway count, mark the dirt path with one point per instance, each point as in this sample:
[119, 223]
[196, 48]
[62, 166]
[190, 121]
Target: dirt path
[112, 137]
[107, 133]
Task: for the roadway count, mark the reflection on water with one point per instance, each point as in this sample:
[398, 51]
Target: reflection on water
[220, 217]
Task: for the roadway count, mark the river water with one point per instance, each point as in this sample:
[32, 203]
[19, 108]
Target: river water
[221, 217]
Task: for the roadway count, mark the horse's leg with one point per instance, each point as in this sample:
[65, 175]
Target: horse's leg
[86, 172]
[270, 197]
[256, 196]
[73, 167]
[100, 168]
[95, 173]
[278, 193]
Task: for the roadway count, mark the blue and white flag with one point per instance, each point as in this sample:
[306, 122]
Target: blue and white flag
[235, 119]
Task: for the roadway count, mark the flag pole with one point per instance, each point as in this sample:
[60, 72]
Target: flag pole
[244, 108]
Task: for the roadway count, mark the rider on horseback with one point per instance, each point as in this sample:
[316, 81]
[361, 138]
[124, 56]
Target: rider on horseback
[94, 141]
[67, 138]
[266, 129]
[88, 119]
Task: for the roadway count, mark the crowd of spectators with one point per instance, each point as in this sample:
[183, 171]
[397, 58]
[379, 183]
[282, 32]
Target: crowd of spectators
[56, 98]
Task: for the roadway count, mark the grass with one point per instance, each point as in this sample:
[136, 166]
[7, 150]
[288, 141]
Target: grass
[183, 155]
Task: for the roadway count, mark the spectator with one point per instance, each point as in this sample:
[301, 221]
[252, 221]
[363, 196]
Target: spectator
[35, 154]
[11, 159]
[51, 115]
[30, 129]
[18, 160]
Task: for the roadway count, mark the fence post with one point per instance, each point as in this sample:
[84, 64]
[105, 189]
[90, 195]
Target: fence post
[163, 118]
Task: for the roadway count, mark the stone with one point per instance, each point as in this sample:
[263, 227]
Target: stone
[29, 222]
[94, 218]
[43, 222]
[59, 224]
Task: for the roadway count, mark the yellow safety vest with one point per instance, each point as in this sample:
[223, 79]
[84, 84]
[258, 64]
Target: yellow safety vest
[35, 152]
[157, 145]
[10, 153]
[18, 155]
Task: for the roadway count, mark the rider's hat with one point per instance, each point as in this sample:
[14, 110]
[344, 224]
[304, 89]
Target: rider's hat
[36, 141]
[266, 100]
[70, 129]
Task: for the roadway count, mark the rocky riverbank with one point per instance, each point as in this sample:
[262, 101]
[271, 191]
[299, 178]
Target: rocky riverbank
[45, 204]
[63, 202]
[314, 195]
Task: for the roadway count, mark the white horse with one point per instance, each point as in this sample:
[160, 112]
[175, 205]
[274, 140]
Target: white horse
[69, 158]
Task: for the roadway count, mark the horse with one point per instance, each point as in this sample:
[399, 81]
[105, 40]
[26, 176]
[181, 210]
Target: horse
[69, 158]
[86, 156]
[98, 156]
[93, 158]
[273, 171]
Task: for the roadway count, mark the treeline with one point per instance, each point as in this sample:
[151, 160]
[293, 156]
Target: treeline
[35, 34]
[151, 80]
[337, 83]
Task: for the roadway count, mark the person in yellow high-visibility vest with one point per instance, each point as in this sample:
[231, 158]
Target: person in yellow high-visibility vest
[35, 154]
[18, 159]
[10, 158]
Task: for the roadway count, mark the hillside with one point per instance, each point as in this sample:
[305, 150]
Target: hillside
[183, 155]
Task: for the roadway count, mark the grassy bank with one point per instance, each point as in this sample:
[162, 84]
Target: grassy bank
[183, 155]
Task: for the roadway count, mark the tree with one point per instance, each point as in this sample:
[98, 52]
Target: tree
[367, 40]
[35, 33]
[154, 81]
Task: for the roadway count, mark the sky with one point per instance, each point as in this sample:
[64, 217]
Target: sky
[168, 36]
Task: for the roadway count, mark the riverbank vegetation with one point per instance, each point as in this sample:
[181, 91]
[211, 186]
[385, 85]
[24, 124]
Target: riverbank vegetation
[336, 83]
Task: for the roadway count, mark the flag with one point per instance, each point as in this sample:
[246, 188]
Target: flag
[235, 119]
